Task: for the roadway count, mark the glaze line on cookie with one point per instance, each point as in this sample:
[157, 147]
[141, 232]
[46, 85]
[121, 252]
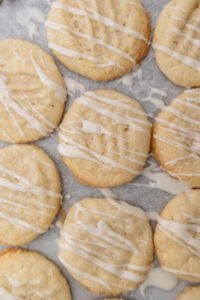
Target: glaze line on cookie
[59, 27]
[189, 61]
[60, 92]
[75, 54]
[94, 15]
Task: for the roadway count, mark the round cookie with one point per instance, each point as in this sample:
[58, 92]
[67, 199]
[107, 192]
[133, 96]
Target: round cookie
[106, 245]
[176, 237]
[105, 138]
[190, 293]
[29, 275]
[176, 42]
[32, 92]
[176, 137]
[99, 39]
[30, 193]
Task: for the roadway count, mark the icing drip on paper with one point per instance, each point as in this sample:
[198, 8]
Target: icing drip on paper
[27, 18]
[153, 97]
[74, 87]
[158, 278]
[158, 179]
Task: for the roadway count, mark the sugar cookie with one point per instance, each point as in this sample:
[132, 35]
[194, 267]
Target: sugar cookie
[176, 42]
[176, 238]
[32, 92]
[30, 193]
[105, 138]
[176, 137]
[106, 245]
[29, 275]
[99, 39]
[190, 293]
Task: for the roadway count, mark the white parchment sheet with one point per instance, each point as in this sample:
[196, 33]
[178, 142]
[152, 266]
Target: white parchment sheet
[25, 18]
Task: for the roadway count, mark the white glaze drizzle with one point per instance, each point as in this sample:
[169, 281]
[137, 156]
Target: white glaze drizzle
[71, 53]
[74, 87]
[177, 7]
[15, 204]
[9, 103]
[193, 27]
[158, 103]
[196, 42]
[108, 238]
[23, 225]
[94, 15]
[60, 92]
[183, 273]
[158, 278]
[158, 179]
[27, 17]
[24, 185]
[43, 162]
[14, 283]
[191, 62]
[7, 296]
[119, 118]
[96, 41]
[85, 275]
[77, 150]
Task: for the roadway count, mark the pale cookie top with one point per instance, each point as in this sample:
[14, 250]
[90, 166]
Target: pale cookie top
[99, 39]
[106, 245]
[30, 193]
[176, 137]
[177, 42]
[29, 275]
[177, 240]
[190, 293]
[105, 138]
[32, 92]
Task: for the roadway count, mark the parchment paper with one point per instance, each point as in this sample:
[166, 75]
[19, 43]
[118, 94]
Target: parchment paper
[146, 198]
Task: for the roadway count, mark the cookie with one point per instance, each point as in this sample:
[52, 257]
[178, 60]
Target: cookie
[32, 92]
[30, 193]
[176, 42]
[190, 293]
[176, 137]
[105, 138]
[106, 245]
[176, 238]
[31, 276]
[99, 39]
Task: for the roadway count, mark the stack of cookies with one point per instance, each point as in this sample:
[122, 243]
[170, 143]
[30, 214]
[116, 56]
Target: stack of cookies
[105, 139]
